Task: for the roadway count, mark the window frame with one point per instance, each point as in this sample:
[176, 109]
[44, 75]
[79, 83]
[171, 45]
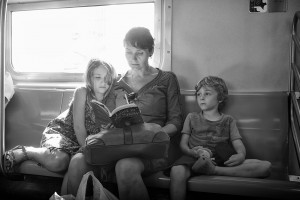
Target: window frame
[162, 35]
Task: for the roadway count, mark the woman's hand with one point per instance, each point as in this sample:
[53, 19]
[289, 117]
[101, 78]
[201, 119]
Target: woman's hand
[235, 159]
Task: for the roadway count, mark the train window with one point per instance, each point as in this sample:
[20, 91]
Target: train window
[60, 38]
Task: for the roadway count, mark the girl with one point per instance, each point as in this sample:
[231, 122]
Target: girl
[65, 135]
[207, 131]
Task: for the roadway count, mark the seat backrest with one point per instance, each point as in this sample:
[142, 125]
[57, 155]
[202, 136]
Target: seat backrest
[262, 120]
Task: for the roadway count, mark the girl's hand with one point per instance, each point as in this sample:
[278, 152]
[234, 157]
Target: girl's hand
[235, 160]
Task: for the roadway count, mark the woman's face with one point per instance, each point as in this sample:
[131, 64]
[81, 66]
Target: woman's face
[136, 58]
[100, 84]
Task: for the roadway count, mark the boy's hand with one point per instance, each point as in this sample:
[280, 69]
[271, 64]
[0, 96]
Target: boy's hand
[235, 159]
[194, 153]
[203, 151]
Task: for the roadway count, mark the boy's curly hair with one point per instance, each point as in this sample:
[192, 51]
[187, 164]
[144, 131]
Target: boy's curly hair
[216, 83]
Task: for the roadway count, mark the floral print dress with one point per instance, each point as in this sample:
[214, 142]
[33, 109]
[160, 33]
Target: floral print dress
[60, 134]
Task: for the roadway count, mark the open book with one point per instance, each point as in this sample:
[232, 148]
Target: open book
[122, 116]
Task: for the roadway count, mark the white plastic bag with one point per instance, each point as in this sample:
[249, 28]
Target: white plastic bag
[55, 196]
[99, 192]
[8, 86]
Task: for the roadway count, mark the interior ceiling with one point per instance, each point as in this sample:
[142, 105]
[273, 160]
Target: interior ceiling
[25, 1]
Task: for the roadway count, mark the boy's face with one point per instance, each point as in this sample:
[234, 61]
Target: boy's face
[207, 98]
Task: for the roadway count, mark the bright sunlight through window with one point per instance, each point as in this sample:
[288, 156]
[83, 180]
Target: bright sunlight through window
[64, 40]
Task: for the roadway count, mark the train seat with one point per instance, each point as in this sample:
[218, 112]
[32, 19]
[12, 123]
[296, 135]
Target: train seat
[262, 119]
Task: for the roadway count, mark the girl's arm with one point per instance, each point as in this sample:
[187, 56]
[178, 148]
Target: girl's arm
[79, 115]
[239, 157]
[185, 148]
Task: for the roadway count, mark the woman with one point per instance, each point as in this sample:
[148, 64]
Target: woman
[157, 94]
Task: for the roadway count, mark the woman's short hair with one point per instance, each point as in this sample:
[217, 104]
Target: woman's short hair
[140, 37]
[217, 84]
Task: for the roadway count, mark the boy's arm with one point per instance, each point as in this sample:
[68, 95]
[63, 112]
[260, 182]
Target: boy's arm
[239, 147]
[186, 131]
[239, 157]
[185, 148]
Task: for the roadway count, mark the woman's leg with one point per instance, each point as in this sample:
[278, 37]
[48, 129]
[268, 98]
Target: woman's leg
[130, 183]
[64, 185]
[179, 175]
[77, 168]
[53, 160]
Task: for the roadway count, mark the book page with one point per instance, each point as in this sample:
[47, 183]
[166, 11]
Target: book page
[102, 114]
[132, 105]
[101, 105]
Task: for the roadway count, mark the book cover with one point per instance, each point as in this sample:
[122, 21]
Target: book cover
[122, 116]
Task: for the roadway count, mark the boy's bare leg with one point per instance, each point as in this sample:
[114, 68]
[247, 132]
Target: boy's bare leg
[249, 168]
[179, 176]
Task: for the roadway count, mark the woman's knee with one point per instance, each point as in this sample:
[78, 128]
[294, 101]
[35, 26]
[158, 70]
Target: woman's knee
[128, 168]
[78, 165]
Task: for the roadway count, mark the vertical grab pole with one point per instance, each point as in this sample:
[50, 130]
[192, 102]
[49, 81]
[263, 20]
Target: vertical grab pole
[294, 80]
[3, 7]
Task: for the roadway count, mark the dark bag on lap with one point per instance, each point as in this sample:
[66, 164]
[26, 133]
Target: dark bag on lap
[145, 140]
[223, 152]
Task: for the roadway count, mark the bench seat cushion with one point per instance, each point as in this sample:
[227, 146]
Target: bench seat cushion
[270, 188]
[233, 186]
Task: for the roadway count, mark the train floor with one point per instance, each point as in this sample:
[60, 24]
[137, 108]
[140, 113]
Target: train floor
[42, 188]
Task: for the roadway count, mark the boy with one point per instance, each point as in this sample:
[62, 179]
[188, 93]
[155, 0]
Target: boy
[204, 134]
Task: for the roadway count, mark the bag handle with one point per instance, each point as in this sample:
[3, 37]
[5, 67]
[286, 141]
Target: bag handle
[99, 192]
[128, 139]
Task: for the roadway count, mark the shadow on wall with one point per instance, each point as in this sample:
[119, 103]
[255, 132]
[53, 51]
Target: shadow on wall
[245, 77]
[195, 74]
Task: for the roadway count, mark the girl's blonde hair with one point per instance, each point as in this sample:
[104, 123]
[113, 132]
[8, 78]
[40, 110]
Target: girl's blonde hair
[110, 77]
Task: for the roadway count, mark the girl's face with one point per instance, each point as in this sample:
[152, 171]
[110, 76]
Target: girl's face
[100, 83]
[136, 58]
[207, 98]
